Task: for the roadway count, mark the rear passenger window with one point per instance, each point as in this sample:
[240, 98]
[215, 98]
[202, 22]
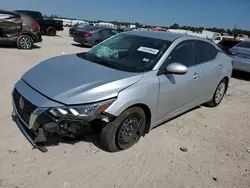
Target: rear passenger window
[183, 53]
[204, 52]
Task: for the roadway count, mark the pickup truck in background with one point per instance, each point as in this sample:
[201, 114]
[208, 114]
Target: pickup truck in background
[48, 26]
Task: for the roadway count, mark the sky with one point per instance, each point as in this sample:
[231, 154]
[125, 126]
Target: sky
[204, 13]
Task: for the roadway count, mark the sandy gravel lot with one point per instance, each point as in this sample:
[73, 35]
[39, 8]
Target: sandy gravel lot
[217, 141]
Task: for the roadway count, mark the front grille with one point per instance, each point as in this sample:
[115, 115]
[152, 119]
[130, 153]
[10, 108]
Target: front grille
[27, 109]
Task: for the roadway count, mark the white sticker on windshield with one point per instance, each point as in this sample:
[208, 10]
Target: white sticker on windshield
[148, 50]
[145, 59]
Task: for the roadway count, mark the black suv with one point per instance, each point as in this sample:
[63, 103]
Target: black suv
[48, 26]
[19, 29]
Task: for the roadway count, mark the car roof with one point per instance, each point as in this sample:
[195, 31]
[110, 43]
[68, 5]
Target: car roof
[163, 35]
[10, 12]
[31, 11]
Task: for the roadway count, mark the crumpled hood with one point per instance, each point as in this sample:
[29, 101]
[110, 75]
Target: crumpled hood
[70, 79]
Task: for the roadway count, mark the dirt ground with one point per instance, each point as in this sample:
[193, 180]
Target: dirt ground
[217, 140]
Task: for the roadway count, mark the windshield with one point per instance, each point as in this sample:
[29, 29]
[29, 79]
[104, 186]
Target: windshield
[128, 52]
[82, 24]
[244, 45]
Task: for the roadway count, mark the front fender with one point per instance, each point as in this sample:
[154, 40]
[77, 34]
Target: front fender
[145, 92]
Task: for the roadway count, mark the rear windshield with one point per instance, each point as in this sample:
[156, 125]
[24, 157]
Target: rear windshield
[244, 45]
[128, 53]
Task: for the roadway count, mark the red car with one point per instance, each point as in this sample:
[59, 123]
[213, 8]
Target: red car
[158, 29]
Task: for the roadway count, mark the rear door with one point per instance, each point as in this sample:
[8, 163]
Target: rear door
[179, 92]
[210, 61]
[10, 24]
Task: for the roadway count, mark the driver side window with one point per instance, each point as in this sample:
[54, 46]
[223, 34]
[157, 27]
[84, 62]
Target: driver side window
[183, 53]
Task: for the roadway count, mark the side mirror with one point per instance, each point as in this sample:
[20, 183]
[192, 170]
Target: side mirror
[176, 68]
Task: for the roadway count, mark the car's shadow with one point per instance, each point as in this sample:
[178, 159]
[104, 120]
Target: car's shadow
[241, 75]
[11, 46]
[56, 140]
[80, 45]
[193, 109]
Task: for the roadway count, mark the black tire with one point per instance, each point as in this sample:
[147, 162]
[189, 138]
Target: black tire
[214, 101]
[24, 42]
[51, 31]
[112, 136]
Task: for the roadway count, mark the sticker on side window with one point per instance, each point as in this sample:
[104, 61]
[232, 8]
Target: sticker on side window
[148, 50]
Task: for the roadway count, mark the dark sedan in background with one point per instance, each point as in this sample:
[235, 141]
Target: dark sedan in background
[92, 35]
[73, 29]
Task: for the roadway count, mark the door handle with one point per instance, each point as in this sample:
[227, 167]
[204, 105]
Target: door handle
[220, 67]
[195, 76]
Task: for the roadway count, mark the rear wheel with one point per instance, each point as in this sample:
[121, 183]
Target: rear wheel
[125, 131]
[51, 31]
[24, 42]
[218, 94]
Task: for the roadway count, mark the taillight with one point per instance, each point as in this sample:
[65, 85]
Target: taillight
[87, 34]
[36, 26]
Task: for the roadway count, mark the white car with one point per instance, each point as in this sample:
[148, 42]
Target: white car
[220, 38]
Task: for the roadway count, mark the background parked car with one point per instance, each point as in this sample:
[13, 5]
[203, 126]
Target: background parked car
[73, 29]
[93, 35]
[220, 38]
[241, 55]
[225, 44]
[48, 26]
[19, 29]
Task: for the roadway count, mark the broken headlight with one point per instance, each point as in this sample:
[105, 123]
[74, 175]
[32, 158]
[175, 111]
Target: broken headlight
[81, 110]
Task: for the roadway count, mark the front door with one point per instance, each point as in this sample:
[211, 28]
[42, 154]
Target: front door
[10, 24]
[178, 92]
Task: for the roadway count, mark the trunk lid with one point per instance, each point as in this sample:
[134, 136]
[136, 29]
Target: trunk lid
[241, 53]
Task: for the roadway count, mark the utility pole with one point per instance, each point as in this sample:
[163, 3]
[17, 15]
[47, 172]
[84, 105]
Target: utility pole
[234, 29]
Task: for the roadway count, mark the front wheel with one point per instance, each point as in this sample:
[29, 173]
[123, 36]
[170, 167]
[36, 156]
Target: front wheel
[125, 131]
[24, 42]
[218, 94]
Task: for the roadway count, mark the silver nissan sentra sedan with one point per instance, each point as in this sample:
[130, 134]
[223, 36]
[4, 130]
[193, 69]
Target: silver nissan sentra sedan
[123, 87]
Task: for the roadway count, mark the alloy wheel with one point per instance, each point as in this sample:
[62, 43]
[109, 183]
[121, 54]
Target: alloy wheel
[220, 92]
[26, 42]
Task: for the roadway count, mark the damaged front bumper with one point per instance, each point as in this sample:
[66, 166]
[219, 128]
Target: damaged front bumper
[41, 124]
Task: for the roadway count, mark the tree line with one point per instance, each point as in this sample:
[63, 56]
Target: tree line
[234, 31]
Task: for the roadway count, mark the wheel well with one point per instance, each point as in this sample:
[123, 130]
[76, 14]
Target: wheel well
[28, 34]
[51, 26]
[148, 117]
[227, 81]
